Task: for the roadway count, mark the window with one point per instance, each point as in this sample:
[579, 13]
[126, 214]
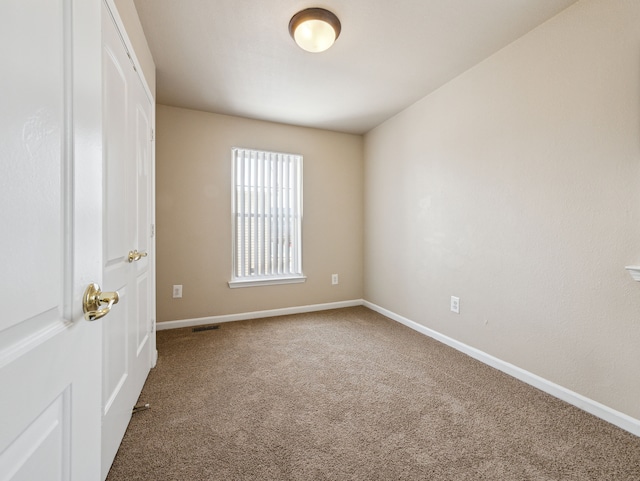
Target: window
[267, 218]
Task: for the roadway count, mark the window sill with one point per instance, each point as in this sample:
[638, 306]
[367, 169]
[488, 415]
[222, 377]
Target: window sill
[267, 281]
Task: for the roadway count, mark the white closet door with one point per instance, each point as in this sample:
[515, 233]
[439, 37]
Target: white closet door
[51, 240]
[127, 232]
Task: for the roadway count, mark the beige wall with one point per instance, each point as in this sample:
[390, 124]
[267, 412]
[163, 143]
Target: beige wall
[516, 187]
[131, 21]
[193, 213]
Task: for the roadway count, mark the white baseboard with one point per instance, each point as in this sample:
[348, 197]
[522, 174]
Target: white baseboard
[599, 410]
[201, 321]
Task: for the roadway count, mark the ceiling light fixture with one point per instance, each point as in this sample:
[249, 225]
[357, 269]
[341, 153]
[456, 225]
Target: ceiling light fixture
[314, 29]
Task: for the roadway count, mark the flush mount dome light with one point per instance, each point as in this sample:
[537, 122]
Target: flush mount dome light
[314, 29]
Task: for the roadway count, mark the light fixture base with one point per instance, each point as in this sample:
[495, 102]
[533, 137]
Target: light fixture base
[314, 29]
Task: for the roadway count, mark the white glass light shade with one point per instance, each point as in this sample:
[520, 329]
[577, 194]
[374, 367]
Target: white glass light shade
[314, 29]
[314, 35]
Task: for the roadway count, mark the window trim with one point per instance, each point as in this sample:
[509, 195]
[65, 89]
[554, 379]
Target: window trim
[267, 281]
[264, 280]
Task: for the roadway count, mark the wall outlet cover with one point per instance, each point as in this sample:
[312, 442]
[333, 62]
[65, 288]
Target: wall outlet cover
[455, 304]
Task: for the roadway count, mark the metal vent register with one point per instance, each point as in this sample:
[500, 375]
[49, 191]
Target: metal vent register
[204, 328]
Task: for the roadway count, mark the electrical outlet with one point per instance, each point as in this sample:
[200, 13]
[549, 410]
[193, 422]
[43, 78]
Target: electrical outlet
[334, 279]
[177, 291]
[455, 304]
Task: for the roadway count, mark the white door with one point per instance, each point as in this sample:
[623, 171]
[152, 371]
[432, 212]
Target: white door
[51, 239]
[127, 337]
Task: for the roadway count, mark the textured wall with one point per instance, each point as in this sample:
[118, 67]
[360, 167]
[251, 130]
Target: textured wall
[516, 188]
[193, 213]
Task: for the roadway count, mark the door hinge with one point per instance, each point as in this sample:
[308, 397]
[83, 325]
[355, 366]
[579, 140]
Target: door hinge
[131, 60]
[153, 230]
[153, 135]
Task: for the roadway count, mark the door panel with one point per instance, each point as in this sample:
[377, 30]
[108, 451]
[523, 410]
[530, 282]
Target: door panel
[31, 129]
[144, 202]
[43, 443]
[116, 156]
[115, 349]
[142, 325]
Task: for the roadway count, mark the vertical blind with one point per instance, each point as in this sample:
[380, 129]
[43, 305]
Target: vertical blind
[267, 212]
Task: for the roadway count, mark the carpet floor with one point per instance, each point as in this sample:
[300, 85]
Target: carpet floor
[351, 395]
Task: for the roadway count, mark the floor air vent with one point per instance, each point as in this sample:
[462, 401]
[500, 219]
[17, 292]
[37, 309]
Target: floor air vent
[204, 328]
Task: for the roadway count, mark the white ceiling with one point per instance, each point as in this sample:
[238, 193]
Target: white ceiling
[236, 56]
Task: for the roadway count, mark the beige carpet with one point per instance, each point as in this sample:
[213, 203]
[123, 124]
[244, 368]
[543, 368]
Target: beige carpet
[351, 395]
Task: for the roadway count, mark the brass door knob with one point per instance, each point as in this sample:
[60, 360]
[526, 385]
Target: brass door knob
[135, 255]
[94, 298]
